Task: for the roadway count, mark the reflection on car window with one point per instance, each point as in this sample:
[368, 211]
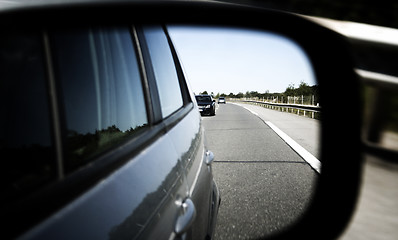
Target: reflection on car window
[164, 70]
[26, 147]
[102, 91]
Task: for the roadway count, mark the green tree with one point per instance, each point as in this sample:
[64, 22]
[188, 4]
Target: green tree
[290, 90]
[239, 95]
[304, 89]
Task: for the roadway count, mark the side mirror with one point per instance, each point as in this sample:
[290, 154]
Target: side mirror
[336, 189]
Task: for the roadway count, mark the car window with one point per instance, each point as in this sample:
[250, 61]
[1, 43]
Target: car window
[203, 99]
[164, 70]
[102, 92]
[26, 145]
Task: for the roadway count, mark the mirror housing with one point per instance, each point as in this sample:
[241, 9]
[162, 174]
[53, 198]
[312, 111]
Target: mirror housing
[337, 189]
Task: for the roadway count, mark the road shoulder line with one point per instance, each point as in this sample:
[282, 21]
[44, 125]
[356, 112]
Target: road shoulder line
[307, 156]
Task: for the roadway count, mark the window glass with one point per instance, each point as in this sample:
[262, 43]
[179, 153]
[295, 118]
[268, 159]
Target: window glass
[102, 91]
[203, 98]
[164, 70]
[27, 153]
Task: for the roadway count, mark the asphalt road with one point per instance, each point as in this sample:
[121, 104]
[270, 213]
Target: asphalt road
[265, 185]
[304, 130]
[376, 214]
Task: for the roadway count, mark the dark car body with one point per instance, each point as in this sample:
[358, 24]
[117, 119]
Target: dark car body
[206, 104]
[102, 139]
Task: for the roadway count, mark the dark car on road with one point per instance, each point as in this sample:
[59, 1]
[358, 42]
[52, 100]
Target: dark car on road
[206, 104]
[101, 137]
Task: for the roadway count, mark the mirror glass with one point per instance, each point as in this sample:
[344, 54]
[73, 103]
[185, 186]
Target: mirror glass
[264, 132]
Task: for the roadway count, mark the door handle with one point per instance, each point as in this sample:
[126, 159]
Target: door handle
[187, 217]
[209, 157]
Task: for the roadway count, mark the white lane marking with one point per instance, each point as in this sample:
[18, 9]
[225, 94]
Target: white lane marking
[253, 112]
[308, 157]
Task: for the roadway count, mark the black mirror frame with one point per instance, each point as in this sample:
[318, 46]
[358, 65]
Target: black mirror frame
[338, 187]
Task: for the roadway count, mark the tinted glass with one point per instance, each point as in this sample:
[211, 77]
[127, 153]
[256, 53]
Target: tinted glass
[25, 131]
[102, 91]
[164, 70]
[203, 98]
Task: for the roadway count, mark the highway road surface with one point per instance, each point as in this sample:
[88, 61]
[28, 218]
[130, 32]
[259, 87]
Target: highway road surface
[265, 184]
[304, 130]
[376, 213]
[264, 190]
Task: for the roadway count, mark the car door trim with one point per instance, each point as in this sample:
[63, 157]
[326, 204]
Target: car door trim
[147, 67]
[53, 99]
[144, 77]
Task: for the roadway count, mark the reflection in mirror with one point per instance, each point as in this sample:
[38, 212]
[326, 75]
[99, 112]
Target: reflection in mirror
[264, 134]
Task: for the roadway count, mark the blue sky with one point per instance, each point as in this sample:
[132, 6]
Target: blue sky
[224, 60]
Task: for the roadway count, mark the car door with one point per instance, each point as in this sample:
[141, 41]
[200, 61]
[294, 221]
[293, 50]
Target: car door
[175, 111]
[188, 139]
[184, 129]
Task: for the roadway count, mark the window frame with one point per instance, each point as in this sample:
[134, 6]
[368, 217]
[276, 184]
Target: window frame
[59, 117]
[106, 162]
[187, 103]
[65, 188]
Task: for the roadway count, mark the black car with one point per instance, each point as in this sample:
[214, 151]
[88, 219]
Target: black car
[101, 138]
[206, 104]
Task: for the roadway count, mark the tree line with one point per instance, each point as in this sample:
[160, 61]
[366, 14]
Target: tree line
[302, 90]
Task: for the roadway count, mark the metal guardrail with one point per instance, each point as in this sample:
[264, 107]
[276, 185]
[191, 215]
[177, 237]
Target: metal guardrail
[282, 106]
